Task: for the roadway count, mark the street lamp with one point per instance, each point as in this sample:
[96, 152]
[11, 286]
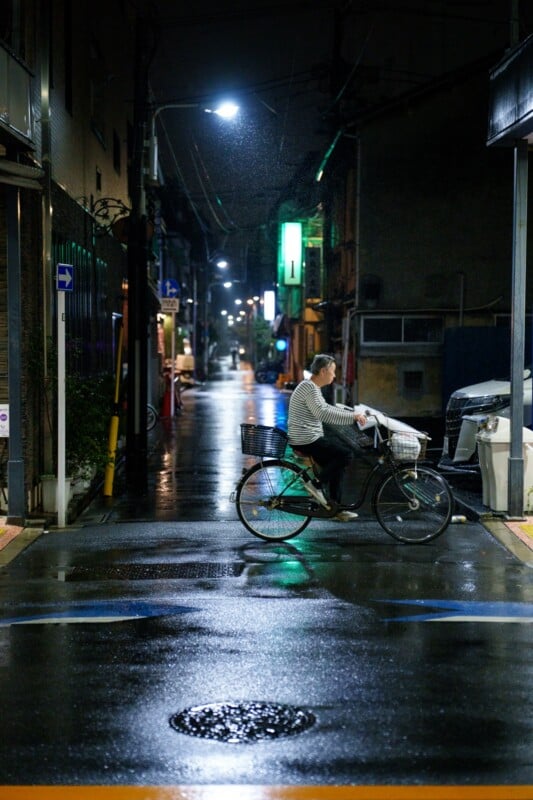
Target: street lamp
[226, 110]
[145, 117]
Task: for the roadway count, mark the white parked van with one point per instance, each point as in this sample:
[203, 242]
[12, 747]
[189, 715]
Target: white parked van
[467, 409]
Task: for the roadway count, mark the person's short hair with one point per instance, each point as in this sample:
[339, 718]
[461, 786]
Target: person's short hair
[319, 362]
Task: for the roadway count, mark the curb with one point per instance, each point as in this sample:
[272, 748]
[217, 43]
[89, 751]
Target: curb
[515, 535]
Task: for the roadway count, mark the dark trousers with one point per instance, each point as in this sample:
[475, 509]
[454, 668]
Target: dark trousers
[332, 455]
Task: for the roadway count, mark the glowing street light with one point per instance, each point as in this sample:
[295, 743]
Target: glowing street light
[226, 110]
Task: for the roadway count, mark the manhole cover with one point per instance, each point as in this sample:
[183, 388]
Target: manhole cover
[242, 722]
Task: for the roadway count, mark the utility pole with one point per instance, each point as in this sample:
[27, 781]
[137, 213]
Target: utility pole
[15, 464]
[138, 316]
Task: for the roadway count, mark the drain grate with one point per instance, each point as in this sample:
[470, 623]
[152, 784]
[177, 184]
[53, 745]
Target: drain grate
[143, 572]
[240, 723]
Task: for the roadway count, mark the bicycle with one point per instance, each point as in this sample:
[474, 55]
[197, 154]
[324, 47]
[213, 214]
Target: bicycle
[152, 417]
[411, 502]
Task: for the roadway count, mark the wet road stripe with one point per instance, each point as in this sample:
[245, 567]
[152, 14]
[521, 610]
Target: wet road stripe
[461, 611]
[109, 611]
[248, 792]
[103, 612]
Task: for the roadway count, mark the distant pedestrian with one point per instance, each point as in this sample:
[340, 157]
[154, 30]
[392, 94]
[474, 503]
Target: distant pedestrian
[234, 350]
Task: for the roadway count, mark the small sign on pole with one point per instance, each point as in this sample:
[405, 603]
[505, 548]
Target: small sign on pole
[4, 421]
[65, 283]
[170, 305]
[65, 278]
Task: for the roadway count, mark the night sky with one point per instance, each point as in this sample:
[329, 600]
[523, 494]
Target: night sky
[299, 71]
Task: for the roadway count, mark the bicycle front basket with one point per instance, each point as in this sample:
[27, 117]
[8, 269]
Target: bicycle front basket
[261, 440]
[407, 446]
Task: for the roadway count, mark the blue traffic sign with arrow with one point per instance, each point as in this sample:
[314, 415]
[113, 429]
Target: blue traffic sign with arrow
[170, 288]
[65, 278]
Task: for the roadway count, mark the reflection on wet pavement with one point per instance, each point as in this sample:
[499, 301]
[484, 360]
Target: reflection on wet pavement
[195, 460]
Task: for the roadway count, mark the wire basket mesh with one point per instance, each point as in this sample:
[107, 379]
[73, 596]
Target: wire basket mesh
[407, 446]
[262, 440]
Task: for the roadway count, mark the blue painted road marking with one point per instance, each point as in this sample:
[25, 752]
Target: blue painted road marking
[463, 611]
[99, 612]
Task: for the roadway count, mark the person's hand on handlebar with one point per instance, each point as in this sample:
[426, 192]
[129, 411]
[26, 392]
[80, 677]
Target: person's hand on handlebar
[361, 419]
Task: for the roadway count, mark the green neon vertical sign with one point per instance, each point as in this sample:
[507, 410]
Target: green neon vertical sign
[291, 253]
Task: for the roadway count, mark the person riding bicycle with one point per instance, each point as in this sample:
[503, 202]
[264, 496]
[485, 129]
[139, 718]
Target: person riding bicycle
[308, 410]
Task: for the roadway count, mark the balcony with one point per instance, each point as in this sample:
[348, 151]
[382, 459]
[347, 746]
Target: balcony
[15, 93]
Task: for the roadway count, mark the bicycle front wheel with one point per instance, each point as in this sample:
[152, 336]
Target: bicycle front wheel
[152, 417]
[259, 497]
[413, 505]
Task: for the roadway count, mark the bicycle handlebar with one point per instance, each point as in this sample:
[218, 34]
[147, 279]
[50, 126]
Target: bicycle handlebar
[392, 425]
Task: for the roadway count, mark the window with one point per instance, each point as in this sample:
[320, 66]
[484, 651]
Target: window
[395, 330]
[13, 27]
[382, 329]
[422, 329]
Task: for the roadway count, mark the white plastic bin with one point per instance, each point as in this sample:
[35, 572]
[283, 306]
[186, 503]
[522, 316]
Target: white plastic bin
[494, 448]
[483, 455]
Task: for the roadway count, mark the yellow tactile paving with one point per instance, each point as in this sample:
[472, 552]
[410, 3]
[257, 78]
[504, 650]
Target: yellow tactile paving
[7, 532]
[523, 530]
[247, 792]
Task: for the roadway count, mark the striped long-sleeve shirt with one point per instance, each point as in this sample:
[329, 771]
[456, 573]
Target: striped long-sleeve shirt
[308, 410]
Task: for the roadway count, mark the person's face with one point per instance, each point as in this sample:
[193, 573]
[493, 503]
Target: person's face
[329, 373]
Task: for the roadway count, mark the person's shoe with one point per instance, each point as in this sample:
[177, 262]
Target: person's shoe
[317, 493]
[345, 516]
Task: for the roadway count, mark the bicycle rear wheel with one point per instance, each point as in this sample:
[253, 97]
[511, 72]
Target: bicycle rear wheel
[413, 505]
[259, 496]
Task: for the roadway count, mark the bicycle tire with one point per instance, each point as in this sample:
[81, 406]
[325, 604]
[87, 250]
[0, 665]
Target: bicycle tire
[255, 498]
[152, 417]
[414, 504]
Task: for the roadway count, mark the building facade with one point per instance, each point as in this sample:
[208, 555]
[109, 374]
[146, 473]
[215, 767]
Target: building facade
[416, 250]
[65, 130]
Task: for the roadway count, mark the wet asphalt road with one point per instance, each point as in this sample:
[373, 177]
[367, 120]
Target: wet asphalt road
[415, 661]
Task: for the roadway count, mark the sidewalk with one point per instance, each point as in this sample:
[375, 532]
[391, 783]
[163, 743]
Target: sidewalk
[14, 539]
[7, 532]
[515, 535]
